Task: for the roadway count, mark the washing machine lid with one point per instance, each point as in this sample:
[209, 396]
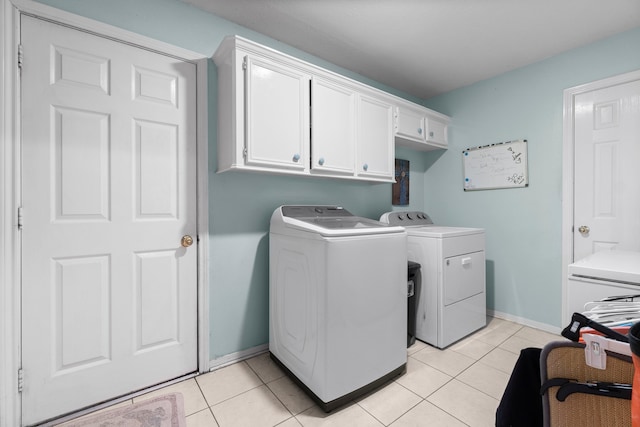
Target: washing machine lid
[327, 221]
[610, 265]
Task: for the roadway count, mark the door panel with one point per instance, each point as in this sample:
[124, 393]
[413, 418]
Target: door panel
[108, 189]
[607, 178]
[277, 115]
[375, 138]
[333, 127]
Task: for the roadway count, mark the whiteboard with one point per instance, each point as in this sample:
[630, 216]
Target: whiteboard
[502, 165]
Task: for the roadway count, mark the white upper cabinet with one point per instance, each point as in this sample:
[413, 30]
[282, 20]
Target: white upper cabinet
[282, 115]
[333, 127]
[375, 129]
[410, 123]
[277, 115]
[420, 128]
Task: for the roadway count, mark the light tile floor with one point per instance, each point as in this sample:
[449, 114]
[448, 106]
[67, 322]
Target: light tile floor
[459, 386]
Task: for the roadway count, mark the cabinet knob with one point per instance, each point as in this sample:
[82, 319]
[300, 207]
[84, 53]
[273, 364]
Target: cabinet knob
[431, 134]
[321, 161]
[296, 157]
[365, 166]
[419, 131]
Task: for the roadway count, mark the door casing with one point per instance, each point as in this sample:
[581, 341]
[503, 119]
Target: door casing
[10, 186]
[568, 152]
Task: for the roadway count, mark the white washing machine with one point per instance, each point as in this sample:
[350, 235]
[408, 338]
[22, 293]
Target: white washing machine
[452, 301]
[603, 274]
[337, 301]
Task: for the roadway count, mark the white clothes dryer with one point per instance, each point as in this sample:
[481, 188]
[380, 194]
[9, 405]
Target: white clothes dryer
[452, 301]
[337, 301]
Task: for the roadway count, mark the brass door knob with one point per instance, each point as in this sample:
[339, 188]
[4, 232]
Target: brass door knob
[583, 229]
[186, 241]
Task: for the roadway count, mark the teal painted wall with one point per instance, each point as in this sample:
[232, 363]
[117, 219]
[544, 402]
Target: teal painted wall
[241, 203]
[523, 226]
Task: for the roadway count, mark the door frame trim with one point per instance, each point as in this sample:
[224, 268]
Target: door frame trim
[10, 185]
[568, 151]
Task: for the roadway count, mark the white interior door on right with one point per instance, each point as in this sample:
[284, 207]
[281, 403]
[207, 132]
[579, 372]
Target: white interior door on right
[607, 170]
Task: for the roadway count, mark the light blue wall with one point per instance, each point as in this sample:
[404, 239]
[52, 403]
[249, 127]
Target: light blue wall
[523, 225]
[241, 204]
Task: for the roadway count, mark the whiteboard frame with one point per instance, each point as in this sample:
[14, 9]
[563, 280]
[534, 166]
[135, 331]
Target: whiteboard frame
[524, 166]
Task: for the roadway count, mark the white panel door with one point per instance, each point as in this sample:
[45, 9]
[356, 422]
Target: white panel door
[108, 175]
[607, 169]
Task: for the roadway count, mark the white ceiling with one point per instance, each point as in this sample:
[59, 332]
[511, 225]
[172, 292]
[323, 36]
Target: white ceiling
[428, 47]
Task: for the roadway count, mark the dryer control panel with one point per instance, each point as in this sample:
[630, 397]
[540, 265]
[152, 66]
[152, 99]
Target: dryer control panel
[406, 218]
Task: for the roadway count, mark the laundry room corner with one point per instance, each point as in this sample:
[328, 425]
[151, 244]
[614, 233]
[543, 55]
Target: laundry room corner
[524, 245]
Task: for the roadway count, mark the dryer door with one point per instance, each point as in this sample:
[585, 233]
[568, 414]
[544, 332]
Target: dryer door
[464, 277]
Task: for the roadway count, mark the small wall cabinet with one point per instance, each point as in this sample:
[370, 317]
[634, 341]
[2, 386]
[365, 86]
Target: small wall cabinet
[420, 128]
[279, 114]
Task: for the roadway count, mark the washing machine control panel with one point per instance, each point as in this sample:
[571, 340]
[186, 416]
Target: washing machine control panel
[406, 219]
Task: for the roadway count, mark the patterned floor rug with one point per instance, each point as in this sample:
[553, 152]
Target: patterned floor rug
[162, 411]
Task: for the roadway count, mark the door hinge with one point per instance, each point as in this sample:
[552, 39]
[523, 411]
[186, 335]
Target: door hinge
[20, 57]
[20, 380]
[20, 218]
[244, 152]
[244, 63]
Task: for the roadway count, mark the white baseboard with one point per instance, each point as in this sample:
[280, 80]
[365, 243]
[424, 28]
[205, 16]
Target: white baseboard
[526, 322]
[238, 356]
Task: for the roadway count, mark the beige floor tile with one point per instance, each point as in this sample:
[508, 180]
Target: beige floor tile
[447, 361]
[472, 348]
[291, 422]
[516, 343]
[291, 396]
[265, 368]
[426, 414]
[426, 348]
[486, 379]
[495, 336]
[465, 403]
[227, 382]
[351, 416]
[388, 403]
[257, 407]
[540, 338]
[202, 419]
[501, 360]
[422, 379]
[417, 346]
[191, 395]
[496, 323]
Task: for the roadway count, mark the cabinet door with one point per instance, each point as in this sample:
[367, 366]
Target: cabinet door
[332, 127]
[410, 124]
[436, 131]
[375, 138]
[277, 115]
